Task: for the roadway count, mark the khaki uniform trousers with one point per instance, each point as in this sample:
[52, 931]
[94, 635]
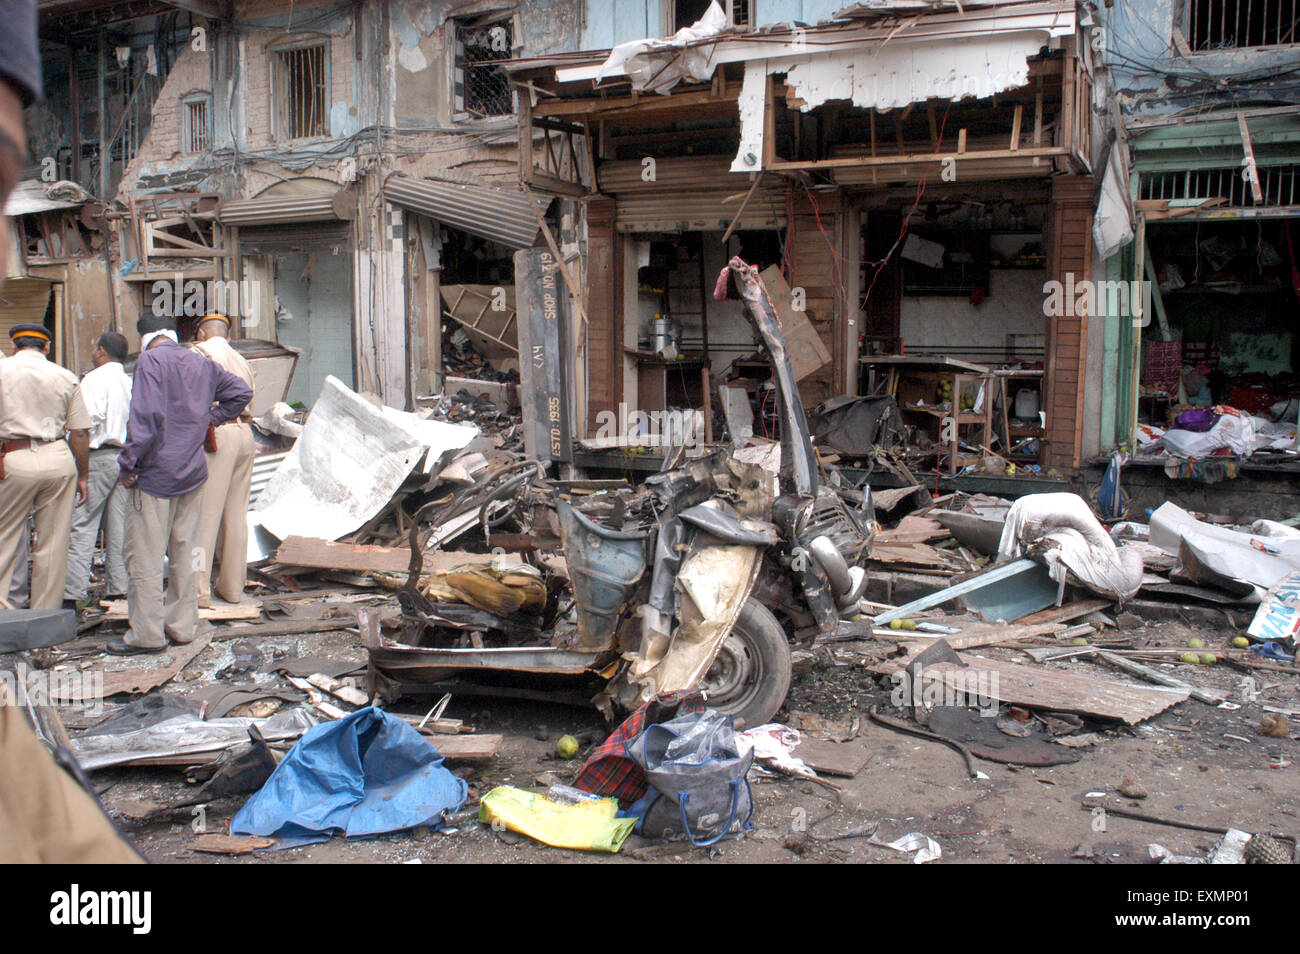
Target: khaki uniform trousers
[42, 479]
[156, 526]
[45, 816]
[225, 513]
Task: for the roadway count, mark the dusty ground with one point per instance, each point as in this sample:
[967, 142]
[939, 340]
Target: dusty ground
[1197, 763]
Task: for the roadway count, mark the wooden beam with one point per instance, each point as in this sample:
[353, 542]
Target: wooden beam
[624, 105]
[863, 161]
[329, 555]
[1015, 128]
[1252, 170]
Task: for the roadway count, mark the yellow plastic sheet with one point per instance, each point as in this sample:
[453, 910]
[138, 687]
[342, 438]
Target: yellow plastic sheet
[586, 826]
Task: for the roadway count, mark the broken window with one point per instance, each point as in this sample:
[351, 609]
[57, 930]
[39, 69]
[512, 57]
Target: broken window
[196, 128]
[302, 92]
[684, 13]
[481, 87]
[1229, 24]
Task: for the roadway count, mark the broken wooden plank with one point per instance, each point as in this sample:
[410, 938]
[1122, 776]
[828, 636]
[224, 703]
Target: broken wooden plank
[845, 759]
[1050, 689]
[115, 610]
[1208, 696]
[329, 555]
[219, 844]
[466, 747]
[982, 635]
[339, 689]
[289, 627]
[141, 677]
[1064, 614]
[315, 698]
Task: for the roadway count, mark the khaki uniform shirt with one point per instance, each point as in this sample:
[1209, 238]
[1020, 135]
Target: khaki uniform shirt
[39, 399]
[220, 351]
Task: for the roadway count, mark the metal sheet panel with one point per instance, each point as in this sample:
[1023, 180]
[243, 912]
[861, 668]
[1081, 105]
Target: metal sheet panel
[276, 210]
[689, 195]
[498, 215]
[545, 358]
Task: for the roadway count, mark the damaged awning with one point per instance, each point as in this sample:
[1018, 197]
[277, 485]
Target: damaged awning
[31, 196]
[340, 206]
[503, 216]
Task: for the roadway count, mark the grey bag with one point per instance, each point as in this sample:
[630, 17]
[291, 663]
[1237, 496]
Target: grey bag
[693, 763]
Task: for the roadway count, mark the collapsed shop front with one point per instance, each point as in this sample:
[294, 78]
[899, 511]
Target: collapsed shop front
[1208, 365]
[296, 254]
[907, 237]
[460, 290]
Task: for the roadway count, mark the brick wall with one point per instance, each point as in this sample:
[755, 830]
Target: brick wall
[1069, 251]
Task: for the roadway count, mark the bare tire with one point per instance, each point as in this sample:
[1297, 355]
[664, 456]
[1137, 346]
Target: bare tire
[750, 677]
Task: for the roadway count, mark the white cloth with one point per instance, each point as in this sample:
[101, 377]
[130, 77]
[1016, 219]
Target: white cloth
[147, 340]
[1061, 531]
[106, 392]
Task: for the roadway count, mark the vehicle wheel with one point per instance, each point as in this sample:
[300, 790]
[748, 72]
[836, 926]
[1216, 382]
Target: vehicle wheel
[751, 675]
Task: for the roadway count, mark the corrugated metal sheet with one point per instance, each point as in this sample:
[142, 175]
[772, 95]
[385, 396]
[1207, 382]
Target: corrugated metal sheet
[689, 195]
[264, 465]
[499, 215]
[337, 206]
[23, 300]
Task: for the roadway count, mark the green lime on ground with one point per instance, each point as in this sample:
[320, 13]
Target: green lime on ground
[1189, 658]
[1079, 641]
[1195, 643]
[1208, 659]
[1241, 642]
[567, 747]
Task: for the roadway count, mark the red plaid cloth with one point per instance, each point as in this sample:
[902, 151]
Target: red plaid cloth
[608, 770]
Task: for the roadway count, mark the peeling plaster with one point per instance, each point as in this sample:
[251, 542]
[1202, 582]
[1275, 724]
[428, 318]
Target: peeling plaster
[412, 59]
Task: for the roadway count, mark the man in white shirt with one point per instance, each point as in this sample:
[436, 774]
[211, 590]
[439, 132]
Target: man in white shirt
[106, 392]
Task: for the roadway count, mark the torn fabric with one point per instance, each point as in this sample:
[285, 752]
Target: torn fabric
[657, 66]
[1061, 531]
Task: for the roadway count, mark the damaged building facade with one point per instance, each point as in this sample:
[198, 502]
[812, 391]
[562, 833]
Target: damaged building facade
[329, 173]
[983, 211]
[1198, 206]
[909, 177]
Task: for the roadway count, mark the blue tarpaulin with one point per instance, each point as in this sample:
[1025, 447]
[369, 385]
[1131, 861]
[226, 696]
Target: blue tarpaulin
[365, 774]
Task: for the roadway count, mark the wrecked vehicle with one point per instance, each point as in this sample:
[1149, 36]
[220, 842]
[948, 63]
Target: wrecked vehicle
[700, 578]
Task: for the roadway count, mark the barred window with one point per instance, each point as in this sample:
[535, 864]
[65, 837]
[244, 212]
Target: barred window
[302, 92]
[481, 86]
[196, 126]
[1230, 24]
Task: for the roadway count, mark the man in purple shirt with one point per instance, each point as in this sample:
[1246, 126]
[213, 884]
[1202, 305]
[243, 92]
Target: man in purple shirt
[177, 393]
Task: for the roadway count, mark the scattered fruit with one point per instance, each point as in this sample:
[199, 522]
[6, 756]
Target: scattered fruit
[567, 747]
[1191, 658]
[1208, 659]
[1241, 642]
[1131, 789]
[1079, 641]
[1195, 643]
[909, 625]
[895, 624]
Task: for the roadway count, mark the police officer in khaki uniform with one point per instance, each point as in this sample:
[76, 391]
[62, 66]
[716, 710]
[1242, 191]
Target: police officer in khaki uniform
[230, 476]
[44, 461]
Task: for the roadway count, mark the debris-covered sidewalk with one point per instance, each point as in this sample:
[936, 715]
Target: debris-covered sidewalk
[453, 651]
